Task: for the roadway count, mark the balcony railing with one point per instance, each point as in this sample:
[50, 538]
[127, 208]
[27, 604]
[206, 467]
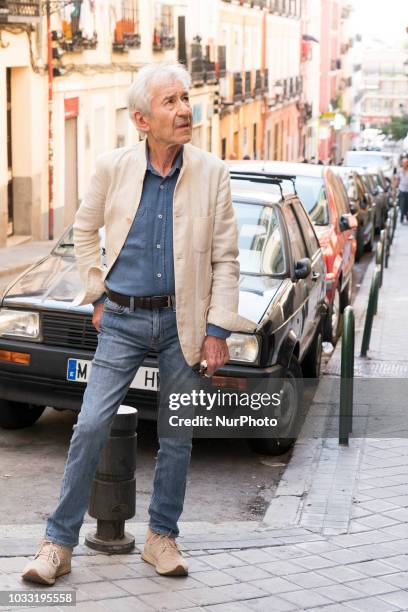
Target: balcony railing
[248, 90]
[78, 42]
[162, 41]
[238, 89]
[210, 73]
[15, 11]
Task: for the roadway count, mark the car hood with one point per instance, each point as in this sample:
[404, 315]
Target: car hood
[53, 283]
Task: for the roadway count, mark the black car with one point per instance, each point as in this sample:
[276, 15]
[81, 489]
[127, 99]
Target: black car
[362, 205]
[47, 345]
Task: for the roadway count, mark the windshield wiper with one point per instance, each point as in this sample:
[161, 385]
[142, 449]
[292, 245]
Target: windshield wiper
[66, 244]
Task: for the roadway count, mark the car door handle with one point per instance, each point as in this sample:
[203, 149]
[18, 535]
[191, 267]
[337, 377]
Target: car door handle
[315, 276]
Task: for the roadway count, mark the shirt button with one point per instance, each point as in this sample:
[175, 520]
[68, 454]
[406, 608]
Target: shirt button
[162, 187]
[158, 275]
[160, 216]
[157, 246]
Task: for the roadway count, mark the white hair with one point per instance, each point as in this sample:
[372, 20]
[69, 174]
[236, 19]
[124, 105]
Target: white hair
[140, 92]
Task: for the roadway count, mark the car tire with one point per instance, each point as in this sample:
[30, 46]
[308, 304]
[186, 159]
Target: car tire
[370, 244]
[313, 360]
[280, 445]
[332, 329]
[16, 415]
[345, 297]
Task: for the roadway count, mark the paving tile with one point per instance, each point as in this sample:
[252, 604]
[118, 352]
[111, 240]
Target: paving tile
[215, 578]
[374, 568]
[270, 604]
[180, 583]
[315, 562]
[316, 548]
[399, 598]
[399, 580]
[370, 604]
[310, 580]
[124, 604]
[140, 586]
[331, 608]
[306, 599]
[98, 559]
[346, 556]
[276, 585]
[377, 521]
[99, 590]
[13, 564]
[282, 568]
[198, 565]
[339, 592]
[79, 575]
[400, 561]
[222, 560]
[223, 594]
[107, 572]
[87, 606]
[247, 573]
[253, 556]
[228, 607]
[372, 586]
[166, 601]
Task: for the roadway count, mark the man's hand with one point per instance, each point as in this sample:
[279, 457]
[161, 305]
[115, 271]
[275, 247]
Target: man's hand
[97, 316]
[215, 352]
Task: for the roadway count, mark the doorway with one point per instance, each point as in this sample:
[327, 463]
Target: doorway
[71, 170]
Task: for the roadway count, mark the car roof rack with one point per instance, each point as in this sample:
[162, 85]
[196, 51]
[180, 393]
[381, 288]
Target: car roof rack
[265, 177]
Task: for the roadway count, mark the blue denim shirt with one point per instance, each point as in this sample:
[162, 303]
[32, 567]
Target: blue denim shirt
[145, 265]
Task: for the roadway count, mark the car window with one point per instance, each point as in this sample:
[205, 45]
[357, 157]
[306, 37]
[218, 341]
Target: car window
[309, 235]
[296, 240]
[360, 185]
[259, 239]
[339, 195]
[65, 245]
[313, 196]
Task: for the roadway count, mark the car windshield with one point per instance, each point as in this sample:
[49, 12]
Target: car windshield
[355, 158]
[260, 239]
[313, 197]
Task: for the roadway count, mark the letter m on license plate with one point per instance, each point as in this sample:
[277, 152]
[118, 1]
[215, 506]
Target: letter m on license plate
[78, 369]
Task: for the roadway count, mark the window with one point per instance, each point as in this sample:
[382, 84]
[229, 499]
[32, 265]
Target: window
[313, 196]
[259, 239]
[163, 34]
[307, 230]
[224, 148]
[295, 235]
[127, 26]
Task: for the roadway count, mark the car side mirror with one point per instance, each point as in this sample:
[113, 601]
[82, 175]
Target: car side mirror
[376, 191]
[353, 206]
[365, 201]
[303, 267]
[344, 223]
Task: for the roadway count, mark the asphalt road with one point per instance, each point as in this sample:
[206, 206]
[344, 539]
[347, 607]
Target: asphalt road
[226, 480]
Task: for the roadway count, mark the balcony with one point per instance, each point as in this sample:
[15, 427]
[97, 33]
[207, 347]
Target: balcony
[238, 88]
[126, 34]
[266, 80]
[197, 65]
[258, 90]
[248, 90]
[162, 40]
[210, 72]
[15, 11]
[77, 43]
[285, 89]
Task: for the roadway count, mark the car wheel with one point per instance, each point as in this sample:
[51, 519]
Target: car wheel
[289, 419]
[313, 360]
[333, 319]
[16, 415]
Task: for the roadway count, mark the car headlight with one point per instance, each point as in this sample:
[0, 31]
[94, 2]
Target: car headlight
[20, 324]
[243, 348]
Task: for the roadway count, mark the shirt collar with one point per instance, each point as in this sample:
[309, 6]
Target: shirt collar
[178, 162]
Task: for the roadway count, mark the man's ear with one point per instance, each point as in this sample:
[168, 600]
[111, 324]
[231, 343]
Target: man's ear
[141, 121]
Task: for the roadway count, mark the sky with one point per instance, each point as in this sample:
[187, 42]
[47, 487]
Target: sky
[383, 19]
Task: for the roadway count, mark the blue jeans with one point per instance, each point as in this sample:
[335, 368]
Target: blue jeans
[124, 340]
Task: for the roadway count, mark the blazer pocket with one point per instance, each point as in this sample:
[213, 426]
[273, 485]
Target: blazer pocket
[202, 233]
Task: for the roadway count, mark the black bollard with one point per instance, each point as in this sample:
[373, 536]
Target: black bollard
[113, 494]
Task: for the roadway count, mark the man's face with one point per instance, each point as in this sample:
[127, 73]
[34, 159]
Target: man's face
[170, 118]
[405, 163]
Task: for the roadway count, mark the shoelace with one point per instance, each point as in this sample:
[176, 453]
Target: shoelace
[49, 551]
[167, 543]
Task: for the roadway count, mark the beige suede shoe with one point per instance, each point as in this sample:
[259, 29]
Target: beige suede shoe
[162, 552]
[50, 562]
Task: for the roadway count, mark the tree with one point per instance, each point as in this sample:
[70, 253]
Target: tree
[397, 128]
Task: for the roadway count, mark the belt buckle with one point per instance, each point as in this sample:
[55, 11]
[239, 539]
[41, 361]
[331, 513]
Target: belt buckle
[132, 304]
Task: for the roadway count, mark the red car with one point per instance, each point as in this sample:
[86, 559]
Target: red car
[325, 199]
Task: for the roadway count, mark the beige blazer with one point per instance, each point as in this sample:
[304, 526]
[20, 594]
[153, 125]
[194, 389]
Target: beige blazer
[204, 236]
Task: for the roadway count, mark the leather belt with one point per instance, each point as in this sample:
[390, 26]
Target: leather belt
[150, 301]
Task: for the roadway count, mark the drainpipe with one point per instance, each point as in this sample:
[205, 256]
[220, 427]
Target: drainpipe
[50, 133]
[265, 99]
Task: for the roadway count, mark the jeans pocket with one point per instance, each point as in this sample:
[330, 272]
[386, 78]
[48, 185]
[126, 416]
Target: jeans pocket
[113, 307]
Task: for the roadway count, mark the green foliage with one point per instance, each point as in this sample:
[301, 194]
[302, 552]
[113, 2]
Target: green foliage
[397, 128]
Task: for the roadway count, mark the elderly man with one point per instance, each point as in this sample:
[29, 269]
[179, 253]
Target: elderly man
[171, 285]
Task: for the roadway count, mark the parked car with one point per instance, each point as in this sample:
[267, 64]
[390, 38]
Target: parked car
[372, 182]
[362, 205]
[47, 345]
[325, 199]
[371, 159]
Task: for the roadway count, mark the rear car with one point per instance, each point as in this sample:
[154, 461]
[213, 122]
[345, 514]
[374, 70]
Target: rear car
[361, 205]
[325, 199]
[47, 344]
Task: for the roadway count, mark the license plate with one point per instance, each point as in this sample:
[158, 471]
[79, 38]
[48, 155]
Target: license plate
[78, 370]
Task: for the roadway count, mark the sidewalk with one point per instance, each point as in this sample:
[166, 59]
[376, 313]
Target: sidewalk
[335, 537]
[15, 259]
